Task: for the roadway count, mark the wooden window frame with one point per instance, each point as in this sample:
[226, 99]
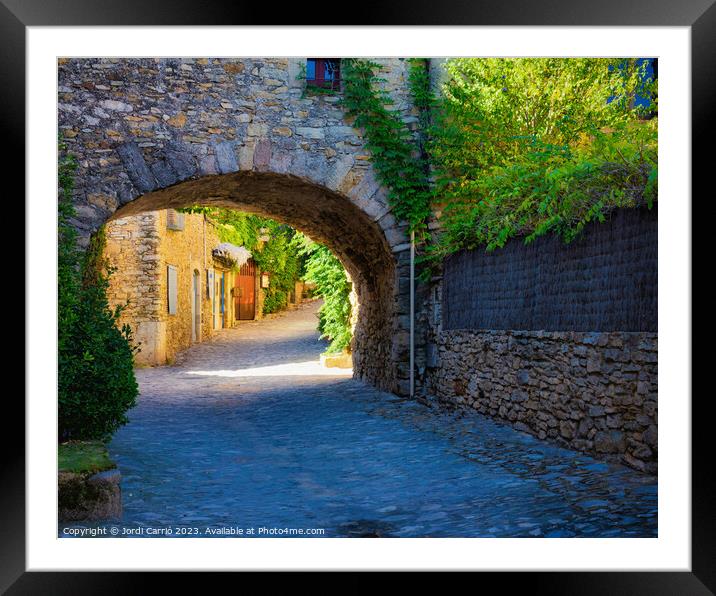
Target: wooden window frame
[320, 79]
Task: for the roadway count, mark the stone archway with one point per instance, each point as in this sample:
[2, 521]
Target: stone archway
[156, 133]
[328, 218]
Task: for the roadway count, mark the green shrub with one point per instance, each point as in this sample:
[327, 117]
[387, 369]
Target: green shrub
[96, 383]
[324, 269]
[529, 146]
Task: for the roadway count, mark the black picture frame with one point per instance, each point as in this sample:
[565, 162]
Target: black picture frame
[699, 15]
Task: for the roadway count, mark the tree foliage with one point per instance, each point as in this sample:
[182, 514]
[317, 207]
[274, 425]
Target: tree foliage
[527, 146]
[324, 269]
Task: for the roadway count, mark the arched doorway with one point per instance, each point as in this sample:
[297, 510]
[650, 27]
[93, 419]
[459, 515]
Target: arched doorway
[238, 133]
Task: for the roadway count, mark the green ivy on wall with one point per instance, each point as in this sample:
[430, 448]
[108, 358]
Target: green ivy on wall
[395, 154]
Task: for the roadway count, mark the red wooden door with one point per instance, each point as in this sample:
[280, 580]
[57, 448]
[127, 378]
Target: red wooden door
[245, 291]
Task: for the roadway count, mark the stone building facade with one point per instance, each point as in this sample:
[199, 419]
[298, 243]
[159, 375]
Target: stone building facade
[166, 273]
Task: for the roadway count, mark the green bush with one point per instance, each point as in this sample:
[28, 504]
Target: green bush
[324, 269]
[96, 382]
[529, 146]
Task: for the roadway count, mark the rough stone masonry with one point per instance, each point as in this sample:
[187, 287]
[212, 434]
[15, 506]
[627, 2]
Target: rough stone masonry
[594, 392]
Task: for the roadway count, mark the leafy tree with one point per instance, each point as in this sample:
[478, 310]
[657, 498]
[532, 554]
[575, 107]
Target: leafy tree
[525, 146]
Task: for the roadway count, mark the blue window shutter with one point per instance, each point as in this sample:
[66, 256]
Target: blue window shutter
[175, 220]
[172, 289]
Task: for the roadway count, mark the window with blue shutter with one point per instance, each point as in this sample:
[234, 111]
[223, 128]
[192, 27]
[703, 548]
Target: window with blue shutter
[172, 289]
[175, 220]
[323, 72]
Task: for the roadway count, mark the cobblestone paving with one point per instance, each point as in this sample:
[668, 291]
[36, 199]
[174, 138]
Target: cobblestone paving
[247, 431]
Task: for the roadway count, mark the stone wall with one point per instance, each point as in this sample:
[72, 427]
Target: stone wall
[572, 356]
[88, 496]
[151, 134]
[132, 250]
[594, 392]
[140, 248]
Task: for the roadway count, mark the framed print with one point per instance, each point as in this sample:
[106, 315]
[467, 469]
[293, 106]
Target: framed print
[322, 282]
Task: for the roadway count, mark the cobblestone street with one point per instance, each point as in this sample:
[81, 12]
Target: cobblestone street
[248, 430]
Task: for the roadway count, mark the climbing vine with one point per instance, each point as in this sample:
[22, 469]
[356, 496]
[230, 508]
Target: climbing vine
[394, 153]
[421, 92]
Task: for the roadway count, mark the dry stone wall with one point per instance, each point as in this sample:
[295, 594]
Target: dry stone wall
[594, 391]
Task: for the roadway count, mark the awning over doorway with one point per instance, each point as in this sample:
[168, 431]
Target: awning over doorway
[232, 254]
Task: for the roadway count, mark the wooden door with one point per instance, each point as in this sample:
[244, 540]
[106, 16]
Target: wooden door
[196, 307]
[245, 292]
[222, 300]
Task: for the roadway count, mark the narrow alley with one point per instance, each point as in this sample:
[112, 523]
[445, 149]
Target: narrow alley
[248, 430]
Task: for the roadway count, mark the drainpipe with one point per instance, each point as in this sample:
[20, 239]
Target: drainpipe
[412, 314]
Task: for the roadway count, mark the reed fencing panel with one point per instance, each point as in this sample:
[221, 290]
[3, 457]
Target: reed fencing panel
[604, 280]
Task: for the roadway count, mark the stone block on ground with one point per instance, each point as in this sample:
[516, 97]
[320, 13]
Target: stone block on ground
[341, 360]
[89, 497]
